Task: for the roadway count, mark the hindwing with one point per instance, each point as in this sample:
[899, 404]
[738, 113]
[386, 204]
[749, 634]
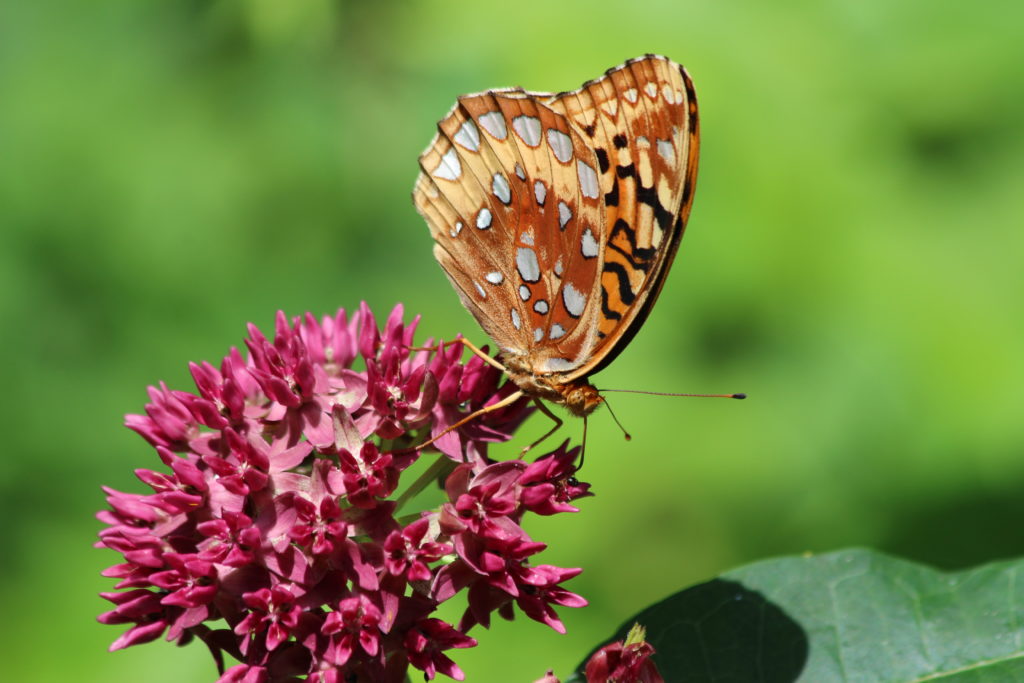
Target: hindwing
[556, 217]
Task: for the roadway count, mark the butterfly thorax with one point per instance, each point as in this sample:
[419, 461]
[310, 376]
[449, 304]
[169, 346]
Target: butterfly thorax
[577, 395]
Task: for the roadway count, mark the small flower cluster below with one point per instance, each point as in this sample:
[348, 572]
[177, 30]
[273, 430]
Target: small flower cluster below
[275, 536]
[623, 661]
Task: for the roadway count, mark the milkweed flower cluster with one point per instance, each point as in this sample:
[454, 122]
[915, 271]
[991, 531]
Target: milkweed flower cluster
[276, 533]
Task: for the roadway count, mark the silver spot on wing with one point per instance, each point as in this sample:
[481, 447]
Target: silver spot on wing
[494, 123]
[561, 145]
[468, 136]
[557, 365]
[588, 245]
[448, 168]
[575, 302]
[667, 151]
[526, 263]
[528, 128]
[588, 179]
[500, 188]
[564, 214]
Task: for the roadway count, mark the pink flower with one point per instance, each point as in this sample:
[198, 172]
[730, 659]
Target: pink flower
[628, 660]
[278, 508]
[243, 673]
[231, 540]
[273, 611]
[549, 483]
[354, 624]
[408, 555]
[425, 644]
[368, 475]
[167, 422]
[319, 528]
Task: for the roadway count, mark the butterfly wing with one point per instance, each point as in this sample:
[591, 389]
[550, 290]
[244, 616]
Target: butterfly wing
[509, 188]
[556, 217]
[641, 120]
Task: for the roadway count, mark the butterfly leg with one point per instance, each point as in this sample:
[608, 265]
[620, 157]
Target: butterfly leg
[507, 401]
[547, 411]
[483, 356]
[469, 345]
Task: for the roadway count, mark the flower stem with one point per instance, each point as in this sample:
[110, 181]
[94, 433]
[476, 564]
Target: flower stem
[441, 467]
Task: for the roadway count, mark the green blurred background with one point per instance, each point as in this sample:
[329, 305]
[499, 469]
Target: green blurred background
[170, 171]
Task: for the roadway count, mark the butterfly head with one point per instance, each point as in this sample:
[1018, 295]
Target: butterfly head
[580, 398]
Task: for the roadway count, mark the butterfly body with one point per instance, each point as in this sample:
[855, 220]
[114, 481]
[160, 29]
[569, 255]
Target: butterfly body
[556, 217]
[578, 396]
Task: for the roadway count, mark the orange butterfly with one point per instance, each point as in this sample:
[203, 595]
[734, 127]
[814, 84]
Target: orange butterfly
[556, 218]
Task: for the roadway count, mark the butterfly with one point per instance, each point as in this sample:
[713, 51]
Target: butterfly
[556, 217]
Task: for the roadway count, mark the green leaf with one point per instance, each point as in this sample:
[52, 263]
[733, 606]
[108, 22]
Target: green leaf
[851, 615]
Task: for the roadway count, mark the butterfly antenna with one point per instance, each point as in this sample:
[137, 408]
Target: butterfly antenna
[614, 417]
[662, 393]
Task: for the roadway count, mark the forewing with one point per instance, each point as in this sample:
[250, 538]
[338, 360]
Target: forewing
[641, 121]
[509, 189]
